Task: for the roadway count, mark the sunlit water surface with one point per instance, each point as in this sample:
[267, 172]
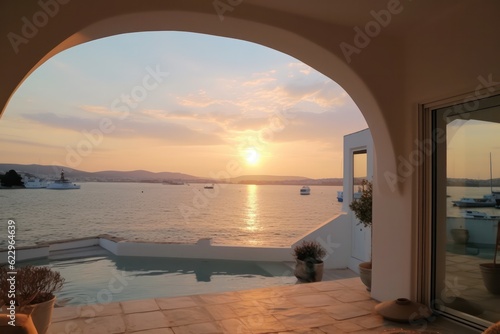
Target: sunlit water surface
[271, 215]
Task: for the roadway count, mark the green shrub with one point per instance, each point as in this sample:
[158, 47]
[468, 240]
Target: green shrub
[33, 285]
[362, 207]
[309, 251]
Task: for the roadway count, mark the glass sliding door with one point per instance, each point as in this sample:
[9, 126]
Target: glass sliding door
[465, 209]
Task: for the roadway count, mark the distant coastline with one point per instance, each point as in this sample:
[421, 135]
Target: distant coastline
[143, 176]
[452, 182]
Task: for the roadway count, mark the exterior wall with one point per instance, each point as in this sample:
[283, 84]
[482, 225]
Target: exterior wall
[335, 236]
[23, 254]
[360, 236]
[444, 57]
[71, 244]
[356, 142]
[203, 249]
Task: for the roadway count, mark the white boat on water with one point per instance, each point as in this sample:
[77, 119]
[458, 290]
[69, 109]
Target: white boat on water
[468, 202]
[62, 184]
[305, 190]
[340, 195]
[489, 200]
[35, 183]
[478, 215]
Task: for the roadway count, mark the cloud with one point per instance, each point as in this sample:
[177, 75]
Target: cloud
[260, 79]
[299, 66]
[101, 110]
[132, 128]
[224, 108]
[62, 122]
[169, 133]
[199, 99]
[15, 142]
[318, 127]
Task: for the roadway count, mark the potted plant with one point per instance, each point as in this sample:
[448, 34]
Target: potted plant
[491, 271]
[34, 292]
[309, 261]
[362, 208]
[460, 235]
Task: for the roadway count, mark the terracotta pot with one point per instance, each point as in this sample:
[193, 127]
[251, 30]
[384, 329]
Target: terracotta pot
[23, 324]
[403, 310]
[491, 277]
[365, 273]
[308, 271]
[460, 235]
[41, 314]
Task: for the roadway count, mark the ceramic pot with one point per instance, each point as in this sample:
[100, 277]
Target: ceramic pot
[23, 324]
[365, 273]
[308, 271]
[491, 277]
[460, 235]
[403, 310]
[41, 314]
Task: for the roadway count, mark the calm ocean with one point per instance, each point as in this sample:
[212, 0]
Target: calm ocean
[269, 215]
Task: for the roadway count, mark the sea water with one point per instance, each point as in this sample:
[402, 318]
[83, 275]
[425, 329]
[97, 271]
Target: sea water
[230, 214]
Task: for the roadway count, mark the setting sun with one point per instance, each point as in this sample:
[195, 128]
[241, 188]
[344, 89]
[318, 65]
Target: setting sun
[252, 156]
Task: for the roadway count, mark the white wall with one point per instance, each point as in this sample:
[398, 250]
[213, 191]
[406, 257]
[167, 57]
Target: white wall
[23, 254]
[335, 237]
[440, 53]
[360, 236]
[201, 250]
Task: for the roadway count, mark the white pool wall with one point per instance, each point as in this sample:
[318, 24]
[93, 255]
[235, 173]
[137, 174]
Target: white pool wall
[327, 234]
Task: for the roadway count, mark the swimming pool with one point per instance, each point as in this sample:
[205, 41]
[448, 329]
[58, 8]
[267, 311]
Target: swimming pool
[110, 278]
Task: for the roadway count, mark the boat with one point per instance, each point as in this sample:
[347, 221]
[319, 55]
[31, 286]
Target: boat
[496, 195]
[209, 186]
[305, 190]
[35, 183]
[62, 184]
[340, 195]
[469, 202]
[478, 215]
[489, 200]
[173, 183]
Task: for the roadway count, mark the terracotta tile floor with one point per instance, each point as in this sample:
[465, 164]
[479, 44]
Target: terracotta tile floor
[466, 283]
[338, 306]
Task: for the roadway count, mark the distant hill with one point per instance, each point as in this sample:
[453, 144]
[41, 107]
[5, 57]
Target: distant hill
[473, 183]
[295, 180]
[52, 172]
[267, 178]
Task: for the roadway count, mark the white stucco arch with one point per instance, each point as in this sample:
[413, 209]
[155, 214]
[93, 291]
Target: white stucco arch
[375, 81]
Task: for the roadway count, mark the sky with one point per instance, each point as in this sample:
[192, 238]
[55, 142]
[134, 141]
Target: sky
[470, 144]
[179, 102]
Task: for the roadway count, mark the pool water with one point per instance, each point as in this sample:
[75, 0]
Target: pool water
[105, 279]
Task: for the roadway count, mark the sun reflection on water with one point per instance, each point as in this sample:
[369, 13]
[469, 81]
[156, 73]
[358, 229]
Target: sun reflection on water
[252, 207]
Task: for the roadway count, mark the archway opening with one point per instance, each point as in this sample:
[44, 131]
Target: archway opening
[202, 108]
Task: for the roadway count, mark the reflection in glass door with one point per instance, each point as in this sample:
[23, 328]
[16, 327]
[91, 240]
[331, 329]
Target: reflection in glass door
[360, 170]
[466, 190]
[361, 236]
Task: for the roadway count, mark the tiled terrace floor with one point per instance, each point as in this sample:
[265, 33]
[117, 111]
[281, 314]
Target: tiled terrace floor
[467, 284]
[339, 306]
